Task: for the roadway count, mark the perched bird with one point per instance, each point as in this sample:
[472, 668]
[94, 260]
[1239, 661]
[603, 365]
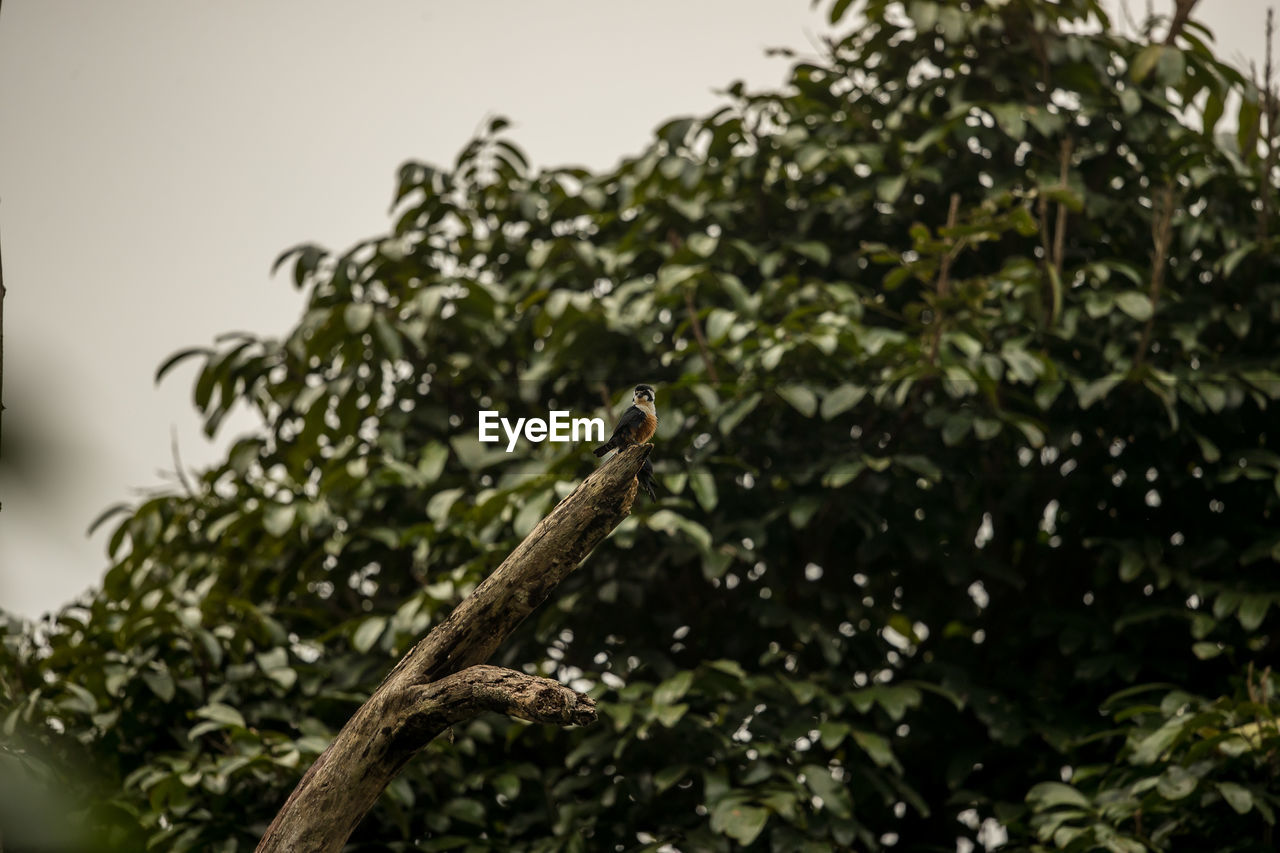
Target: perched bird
[636, 426]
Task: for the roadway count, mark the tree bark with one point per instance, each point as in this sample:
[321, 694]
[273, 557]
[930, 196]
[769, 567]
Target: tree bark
[442, 681]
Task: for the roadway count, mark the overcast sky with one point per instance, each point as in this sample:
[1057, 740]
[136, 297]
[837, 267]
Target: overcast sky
[157, 155]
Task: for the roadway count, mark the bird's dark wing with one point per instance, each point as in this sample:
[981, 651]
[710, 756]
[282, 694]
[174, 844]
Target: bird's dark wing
[628, 425]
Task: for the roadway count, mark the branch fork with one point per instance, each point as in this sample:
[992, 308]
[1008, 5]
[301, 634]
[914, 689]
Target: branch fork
[444, 680]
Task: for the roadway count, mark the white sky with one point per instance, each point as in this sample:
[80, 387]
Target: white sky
[156, 156]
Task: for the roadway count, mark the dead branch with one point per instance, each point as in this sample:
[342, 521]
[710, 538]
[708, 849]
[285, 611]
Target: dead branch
[441, 680]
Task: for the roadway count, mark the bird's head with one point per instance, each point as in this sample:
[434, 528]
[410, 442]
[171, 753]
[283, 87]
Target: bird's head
[644, 393]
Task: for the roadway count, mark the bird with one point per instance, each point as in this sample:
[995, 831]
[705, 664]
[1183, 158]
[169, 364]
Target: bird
[636, 426]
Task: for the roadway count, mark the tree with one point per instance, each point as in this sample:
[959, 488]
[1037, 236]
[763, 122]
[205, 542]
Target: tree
[964, 347]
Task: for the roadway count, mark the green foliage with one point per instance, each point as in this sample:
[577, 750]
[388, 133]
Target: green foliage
[981, 436]
[1188, 768]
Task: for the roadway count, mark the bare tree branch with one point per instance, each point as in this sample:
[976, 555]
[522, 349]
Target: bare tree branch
[463, 695]
[390, 729]
[1181, 14]
[440, 681]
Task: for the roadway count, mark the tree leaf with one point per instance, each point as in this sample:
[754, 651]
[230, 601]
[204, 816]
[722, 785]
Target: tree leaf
[1051, 794]
[704, 488]
[737, 412]
[801, 398]
[1136, 305]
[888, 189]
[368, 633]
[358, 316]
[1150, 748]
[835, 795]
[160, 682]
[1146, 62]
[841, 399]
[838, 9]
[277, 519]
[673, 689]
[741, 822]
[180, 356]
[1237, 796]
[876, 747]
[843, 474]
[1253, 609]
[668, 776]
[1176, 783]
[220, 712]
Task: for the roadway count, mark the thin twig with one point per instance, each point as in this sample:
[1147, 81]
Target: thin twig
[1161, 236]
[1060, 235]
[1181, 14]
[944, 268]
[1042, 213]
[694, 323]
[943, 286]
[177, 463]
[1128, 17]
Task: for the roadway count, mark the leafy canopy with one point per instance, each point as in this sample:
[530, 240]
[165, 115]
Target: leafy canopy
[965, 349]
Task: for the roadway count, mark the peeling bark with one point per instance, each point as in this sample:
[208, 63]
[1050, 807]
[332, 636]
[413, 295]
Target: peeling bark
[442, 681]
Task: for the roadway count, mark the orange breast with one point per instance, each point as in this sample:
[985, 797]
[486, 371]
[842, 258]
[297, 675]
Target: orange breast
[648, 429]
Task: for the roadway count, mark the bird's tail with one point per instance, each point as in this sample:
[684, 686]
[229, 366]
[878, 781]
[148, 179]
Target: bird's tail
[646, 479]
[602, 449]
